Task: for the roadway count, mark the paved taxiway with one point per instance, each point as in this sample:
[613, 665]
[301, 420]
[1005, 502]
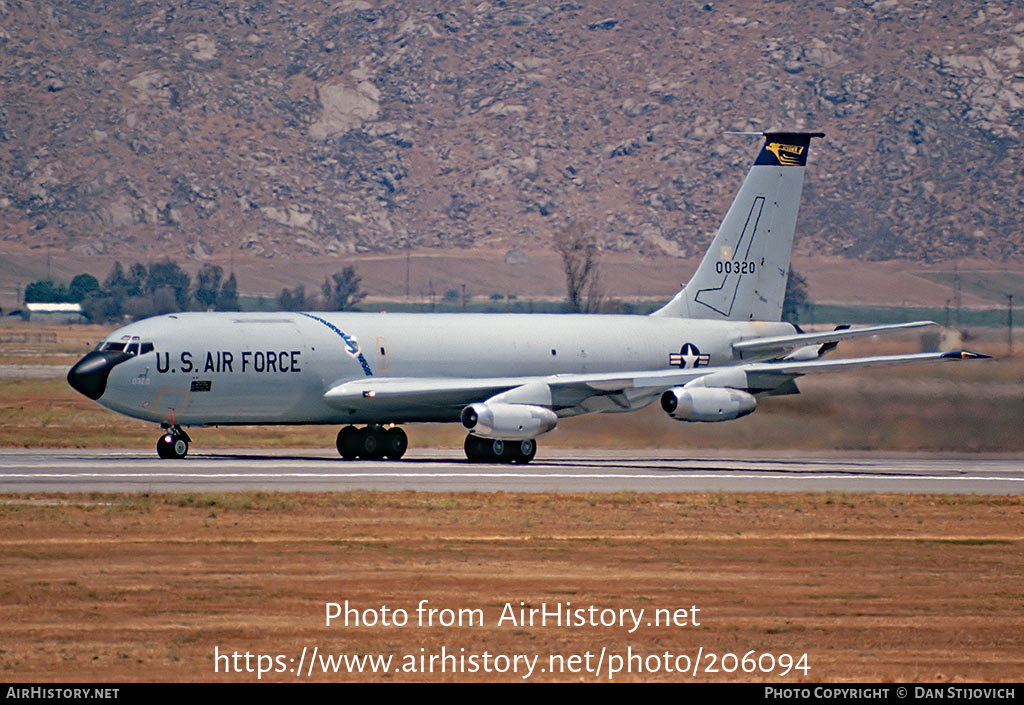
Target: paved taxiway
[554, 470]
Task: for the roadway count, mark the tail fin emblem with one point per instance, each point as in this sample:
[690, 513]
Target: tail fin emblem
[787, 154]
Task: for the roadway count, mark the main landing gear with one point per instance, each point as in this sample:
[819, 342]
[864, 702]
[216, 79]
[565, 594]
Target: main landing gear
[375, 442]
[372, 443]
[492, 450]
[173, 444]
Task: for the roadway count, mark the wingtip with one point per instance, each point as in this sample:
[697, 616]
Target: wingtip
[965, 355]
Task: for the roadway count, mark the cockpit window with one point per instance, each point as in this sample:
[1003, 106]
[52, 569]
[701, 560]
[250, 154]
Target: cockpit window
[131, 346]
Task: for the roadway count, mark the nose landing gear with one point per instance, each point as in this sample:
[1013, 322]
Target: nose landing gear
[173, 444]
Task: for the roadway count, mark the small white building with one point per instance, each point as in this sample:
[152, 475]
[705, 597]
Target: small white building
[55, 313]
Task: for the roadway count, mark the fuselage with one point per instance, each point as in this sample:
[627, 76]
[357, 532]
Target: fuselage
[274, 368]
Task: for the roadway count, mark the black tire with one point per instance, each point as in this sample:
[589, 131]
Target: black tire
[170, 447]
[496, 450]
[371, 444]
[348, 442]
[499, 451]
[474, 449]
[395, 443]
[523, 451]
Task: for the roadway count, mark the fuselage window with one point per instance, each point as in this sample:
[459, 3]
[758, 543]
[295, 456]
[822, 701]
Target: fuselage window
[146, 347]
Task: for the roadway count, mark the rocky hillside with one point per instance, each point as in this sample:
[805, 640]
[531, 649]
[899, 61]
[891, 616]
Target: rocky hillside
[267, 129]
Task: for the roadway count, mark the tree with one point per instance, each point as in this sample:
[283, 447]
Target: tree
[120, 285]
[208, 285]
[795, 297]
[227, 299]
[137, 276]
[108, 303]
[342, 291]
[45, 292]
[100, 306]
[292, 299]
[578, 249]
[81, 286]
[168, 275]
[116, 278]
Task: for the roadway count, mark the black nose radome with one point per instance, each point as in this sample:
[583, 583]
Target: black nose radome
[89, 375]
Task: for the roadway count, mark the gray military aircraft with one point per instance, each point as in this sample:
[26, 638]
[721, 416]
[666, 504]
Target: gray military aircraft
[508, 378]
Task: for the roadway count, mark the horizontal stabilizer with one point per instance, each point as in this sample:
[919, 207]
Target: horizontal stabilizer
[802, 367]
[788, 342]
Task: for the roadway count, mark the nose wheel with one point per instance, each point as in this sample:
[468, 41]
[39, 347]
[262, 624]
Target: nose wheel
[173, 444]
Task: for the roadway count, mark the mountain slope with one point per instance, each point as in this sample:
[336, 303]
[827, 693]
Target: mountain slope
[263, 129]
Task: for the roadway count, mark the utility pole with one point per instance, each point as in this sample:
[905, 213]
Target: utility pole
[956, 293]
[1009, 321]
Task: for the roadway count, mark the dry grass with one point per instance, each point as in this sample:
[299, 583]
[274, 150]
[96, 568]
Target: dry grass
[878, 588]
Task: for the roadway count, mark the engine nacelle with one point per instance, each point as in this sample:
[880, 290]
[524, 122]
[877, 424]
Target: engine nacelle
[509, 422]
[707, 403]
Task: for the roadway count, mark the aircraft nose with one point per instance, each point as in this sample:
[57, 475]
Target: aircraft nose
[89, 375]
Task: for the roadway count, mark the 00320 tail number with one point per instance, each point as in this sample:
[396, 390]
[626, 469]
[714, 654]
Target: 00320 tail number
[734, 267]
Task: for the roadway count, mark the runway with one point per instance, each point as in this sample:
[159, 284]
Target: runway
[555, 470]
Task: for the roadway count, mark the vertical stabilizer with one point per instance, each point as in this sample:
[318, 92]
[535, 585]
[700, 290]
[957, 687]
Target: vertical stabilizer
[743, 274]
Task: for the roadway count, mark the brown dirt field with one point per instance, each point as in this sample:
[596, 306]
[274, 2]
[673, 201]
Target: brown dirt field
[871, 588]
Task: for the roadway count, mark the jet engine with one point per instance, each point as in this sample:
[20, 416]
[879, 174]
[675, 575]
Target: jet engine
[510, 422]
[707, 403]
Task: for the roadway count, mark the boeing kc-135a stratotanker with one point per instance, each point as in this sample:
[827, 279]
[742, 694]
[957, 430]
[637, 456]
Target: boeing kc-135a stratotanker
[508, 378]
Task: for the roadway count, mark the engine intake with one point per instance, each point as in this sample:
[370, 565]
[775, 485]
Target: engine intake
[510, 422]
[707, 403]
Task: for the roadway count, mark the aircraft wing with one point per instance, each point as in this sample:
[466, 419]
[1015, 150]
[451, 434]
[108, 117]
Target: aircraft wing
[574, 394]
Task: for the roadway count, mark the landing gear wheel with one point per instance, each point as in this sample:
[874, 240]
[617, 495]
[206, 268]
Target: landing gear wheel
[474, 453]
[172, 446]
[495, 450]
[479, 450]
[395, 443]
[499, 451]
[524, 451]
[349, 442]
[371, 443]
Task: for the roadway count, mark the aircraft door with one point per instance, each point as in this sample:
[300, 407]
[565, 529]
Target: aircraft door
[383, 361]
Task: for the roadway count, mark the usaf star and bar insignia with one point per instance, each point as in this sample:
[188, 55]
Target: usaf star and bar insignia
[689, 356]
